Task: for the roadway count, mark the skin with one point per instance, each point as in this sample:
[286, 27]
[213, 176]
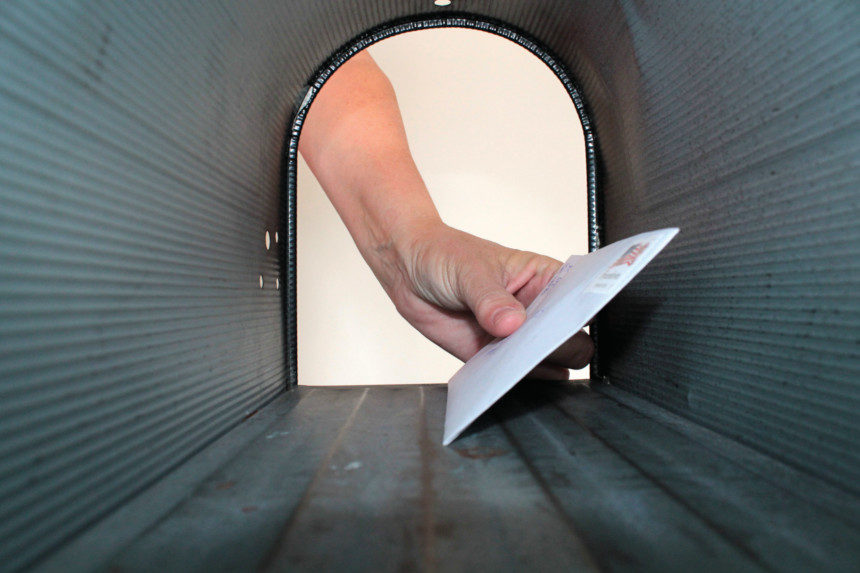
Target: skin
[458, 290]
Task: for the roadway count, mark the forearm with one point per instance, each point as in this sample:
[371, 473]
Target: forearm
[460, 291]
[354, 141]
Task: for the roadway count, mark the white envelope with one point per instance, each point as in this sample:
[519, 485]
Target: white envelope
[580, 288]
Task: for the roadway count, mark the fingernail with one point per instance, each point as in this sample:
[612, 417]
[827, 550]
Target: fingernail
[500, 314]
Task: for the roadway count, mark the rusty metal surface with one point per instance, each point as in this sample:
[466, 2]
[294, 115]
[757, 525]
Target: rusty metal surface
[555, 477]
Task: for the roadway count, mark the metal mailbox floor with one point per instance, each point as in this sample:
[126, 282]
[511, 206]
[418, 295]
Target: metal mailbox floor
[556, 477]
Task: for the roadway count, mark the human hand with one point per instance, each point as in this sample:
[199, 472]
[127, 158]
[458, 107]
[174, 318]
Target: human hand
[461, 292]
[458, 290]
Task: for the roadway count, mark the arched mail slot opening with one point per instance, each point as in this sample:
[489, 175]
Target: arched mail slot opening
[525, 184]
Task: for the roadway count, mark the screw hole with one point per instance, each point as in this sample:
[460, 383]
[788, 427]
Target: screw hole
[268, 241]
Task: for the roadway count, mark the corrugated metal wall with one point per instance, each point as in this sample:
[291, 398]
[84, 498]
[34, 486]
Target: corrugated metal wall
[140, 157]
[139, 171]
[743, 129]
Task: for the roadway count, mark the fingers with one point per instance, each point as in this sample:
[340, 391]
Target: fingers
[499, 304]
[548, 372]
[456, 332]
[576, 353]
[545, 268]
[497, 311]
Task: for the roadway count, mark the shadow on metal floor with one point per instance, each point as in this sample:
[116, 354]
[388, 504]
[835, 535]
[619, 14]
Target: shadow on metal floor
[556, 477]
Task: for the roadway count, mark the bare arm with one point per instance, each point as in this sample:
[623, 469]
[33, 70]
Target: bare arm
[458, 290]
[354, 142]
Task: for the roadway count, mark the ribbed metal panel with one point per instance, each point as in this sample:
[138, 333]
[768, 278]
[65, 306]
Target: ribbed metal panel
[140, 157]
[557, 477]
[738, 124]
[742, 130]
[139, 164]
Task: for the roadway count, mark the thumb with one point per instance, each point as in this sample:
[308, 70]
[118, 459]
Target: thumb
[496, 310]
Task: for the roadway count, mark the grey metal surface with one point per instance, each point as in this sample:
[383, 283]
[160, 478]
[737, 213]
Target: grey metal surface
[139, 147]
[140, 157]
[556, 478]
[141, 151]
[742, 127]
[738, 124]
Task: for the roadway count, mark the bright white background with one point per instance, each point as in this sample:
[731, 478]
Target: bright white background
[501, 149]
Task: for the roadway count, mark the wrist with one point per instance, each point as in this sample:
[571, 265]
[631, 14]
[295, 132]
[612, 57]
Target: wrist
[391, 243]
